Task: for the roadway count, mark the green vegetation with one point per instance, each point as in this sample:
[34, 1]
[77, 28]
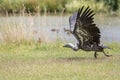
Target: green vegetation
[53, 62]
[99, 6]
[23, 58]
[52, 6]
[16, 33]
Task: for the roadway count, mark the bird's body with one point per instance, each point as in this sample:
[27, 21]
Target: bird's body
[85, 31]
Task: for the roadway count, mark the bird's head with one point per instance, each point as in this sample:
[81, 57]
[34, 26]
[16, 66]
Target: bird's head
[68, 45]
[72, 46]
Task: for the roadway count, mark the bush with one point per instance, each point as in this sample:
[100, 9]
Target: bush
[56, 5]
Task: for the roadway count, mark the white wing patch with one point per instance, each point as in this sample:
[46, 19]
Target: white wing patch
[72, 21]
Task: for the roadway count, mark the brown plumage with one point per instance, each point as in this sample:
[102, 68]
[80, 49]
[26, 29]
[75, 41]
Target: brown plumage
[86, 32]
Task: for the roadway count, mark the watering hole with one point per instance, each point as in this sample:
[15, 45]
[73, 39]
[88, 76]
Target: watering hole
[52, 27]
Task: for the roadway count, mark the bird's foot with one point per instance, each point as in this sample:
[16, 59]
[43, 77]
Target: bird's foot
[107, 54]
[95, 55]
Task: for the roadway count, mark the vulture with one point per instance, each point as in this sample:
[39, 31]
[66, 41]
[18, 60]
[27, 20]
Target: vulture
[86, 32]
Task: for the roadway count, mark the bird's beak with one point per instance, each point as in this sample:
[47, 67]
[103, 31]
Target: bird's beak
[64, 45]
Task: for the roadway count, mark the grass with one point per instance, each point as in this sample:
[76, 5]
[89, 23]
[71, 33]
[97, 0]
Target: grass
[53, 62]
[52, 6]
[21, 58]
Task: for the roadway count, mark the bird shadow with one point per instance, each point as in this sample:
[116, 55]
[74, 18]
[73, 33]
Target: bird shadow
[80, 59]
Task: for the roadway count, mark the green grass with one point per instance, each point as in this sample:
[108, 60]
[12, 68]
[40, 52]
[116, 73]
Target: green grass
[53, 6]
[53, 62]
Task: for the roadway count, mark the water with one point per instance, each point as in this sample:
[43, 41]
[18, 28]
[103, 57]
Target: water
[42, 25]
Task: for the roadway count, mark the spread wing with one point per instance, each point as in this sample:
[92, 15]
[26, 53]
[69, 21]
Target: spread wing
[72, 21]
[85, 30]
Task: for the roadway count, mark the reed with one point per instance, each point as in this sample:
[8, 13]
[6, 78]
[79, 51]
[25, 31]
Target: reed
[24, 33]
[52, 5]
[97, 6]
[17, 33]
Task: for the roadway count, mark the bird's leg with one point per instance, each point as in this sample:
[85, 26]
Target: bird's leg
[106, 54]
[95, 54]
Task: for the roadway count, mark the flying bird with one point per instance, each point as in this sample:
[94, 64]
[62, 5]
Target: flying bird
[86, 32]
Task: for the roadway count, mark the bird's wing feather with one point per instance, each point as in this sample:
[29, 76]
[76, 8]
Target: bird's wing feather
[85, 30]
[72, 21]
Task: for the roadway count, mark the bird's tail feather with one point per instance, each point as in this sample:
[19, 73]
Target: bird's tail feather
[106, 47]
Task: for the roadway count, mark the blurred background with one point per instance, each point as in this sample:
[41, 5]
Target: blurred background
[53, 6]
[33, 32]
[46, 20]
